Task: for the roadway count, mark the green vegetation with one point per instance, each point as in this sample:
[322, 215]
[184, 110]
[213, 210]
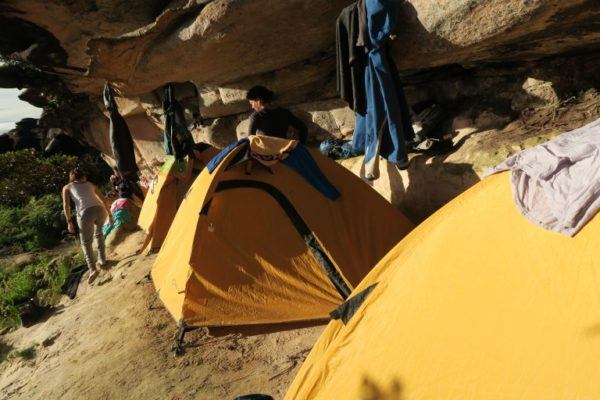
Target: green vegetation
[26, 354]
[5, 350]
[30, 204]
[25, 174]
[31, 219]
[8, 352]
[41, 281]
[37, 225]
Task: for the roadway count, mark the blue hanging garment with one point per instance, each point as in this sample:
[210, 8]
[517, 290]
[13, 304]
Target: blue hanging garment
[383, 129]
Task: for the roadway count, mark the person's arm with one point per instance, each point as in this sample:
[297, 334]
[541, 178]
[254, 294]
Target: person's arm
[299, 126]
[67, 208]
[104, 201]
[252, 128]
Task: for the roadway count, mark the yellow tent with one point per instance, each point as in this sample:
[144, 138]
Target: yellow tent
[165, 194]
[476, 303]
[257, 242]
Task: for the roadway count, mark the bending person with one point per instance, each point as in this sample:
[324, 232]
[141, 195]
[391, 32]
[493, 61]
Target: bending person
[92, 210]
[272, 121]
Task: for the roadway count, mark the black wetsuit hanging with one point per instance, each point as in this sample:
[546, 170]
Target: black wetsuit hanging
[121, 143]
[120, 138]
[178, 141]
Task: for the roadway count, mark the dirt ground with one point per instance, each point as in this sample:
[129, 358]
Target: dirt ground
[113, 341]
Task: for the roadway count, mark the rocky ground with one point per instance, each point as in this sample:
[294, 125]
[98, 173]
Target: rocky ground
[479, 143]
[114, 341]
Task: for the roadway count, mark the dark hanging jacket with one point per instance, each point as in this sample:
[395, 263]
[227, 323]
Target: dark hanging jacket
[178, 141]
[120, 137]
[351, 55]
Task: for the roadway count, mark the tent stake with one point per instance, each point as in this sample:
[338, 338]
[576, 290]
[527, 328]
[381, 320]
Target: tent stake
[178, 345]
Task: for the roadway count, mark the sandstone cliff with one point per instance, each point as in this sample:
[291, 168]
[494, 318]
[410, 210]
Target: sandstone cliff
[485, 61]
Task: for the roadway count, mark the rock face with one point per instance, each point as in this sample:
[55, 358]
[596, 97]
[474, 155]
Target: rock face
[226, 45]
[468, 32]
[485, 61]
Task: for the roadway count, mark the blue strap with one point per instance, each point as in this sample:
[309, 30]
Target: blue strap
[216, 160]
[302, 162]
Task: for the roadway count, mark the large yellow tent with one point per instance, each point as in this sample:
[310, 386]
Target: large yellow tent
[166, 192]
[476, 303]
[255, 243]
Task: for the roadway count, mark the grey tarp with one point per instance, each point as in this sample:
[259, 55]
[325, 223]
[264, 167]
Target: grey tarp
[557, 184]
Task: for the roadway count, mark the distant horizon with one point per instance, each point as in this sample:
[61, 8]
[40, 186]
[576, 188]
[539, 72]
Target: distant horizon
[12, 109]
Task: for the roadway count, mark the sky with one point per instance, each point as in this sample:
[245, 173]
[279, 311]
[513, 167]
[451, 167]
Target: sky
[13, 110]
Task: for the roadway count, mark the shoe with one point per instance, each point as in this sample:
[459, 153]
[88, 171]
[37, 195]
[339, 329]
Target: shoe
[93, 275]
[102, 264]
[402, 165]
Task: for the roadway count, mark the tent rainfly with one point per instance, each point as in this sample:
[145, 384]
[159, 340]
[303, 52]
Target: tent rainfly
[475, 303]
[271, 232]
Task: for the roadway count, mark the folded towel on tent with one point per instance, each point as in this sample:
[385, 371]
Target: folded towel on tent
[269, 150]
[291, 153]
[557, 184]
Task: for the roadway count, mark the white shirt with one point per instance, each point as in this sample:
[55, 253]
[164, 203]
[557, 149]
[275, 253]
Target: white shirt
[83, 196]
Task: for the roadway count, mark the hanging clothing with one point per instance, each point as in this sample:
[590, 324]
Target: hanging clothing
[362, 39]
[276, 122]
[556, 185]
[382, 131]
[351, 59]
[177, 139]
[121, 141]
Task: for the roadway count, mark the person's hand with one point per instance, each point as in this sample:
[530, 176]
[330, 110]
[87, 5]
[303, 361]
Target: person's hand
[70, 228]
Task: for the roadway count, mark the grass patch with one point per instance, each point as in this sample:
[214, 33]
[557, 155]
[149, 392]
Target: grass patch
[5, 350]
[25, 354]
[40, 281]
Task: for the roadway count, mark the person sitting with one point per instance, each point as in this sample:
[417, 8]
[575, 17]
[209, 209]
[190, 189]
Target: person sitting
[269, 121]
[92, 210]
